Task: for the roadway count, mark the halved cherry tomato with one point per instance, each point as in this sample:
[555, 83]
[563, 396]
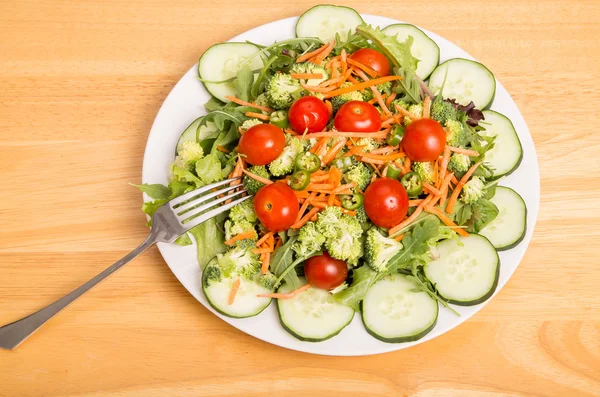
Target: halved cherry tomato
[308, 113]
[386, 202]
[262, 144]
[373, 59]
[276, 206]
[357, 116]
[325, 272]
[424, 140]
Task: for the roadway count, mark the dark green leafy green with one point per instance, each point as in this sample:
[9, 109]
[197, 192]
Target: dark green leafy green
[154, 191]
[243, 82]
[484, 211]
[281, 260]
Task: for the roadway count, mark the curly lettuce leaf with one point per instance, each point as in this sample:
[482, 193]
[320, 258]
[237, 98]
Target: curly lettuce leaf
[210, 241]
[398, 53]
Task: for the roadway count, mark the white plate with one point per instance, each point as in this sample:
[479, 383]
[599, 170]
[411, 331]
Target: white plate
[185, 103]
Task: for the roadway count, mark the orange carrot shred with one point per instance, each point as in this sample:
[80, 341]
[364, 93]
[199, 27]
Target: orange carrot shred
[329, 108]
[359, 86]
[447, 221]
[323, 54]
[399, 237]
[414, 203]
[390, 99]
[309, 55]
[431, 189]
[259, 116]
[305, 218]
[223, 149]
[258, 178]
[239, 237]
[249, 104]
[470, 153]
[411, 218]
[426, 107]
[264, 238]
[307, 76]
[330, 155]
[459, 186]
[362, 67]
[289, 295]
[234, 289]
[265, 263]
[315, 88]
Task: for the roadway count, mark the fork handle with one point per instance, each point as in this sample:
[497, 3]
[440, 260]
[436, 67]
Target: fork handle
[11, 335]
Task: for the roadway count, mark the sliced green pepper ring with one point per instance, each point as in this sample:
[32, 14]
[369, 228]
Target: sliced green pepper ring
[352, 201]
[299, 180]
[395, 136]
[393, 172]
[308, 161]
[343, 163]
[279, 118]
[412, 183]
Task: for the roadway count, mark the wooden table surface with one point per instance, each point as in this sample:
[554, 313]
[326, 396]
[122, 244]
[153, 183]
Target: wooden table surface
[80, 84]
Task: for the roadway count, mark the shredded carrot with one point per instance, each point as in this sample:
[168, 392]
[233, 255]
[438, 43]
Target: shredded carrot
[355, 81]
[259, 116]
[363, 67]
[320, 178]
[289, 295]
[223, 149]
[414, 203]
[385, 150]
[447, 221]
[407, 165]
[240, 237]
[335, 176]
[264, 250]
[264, 238]
[399, 237]
[364, 84]
[376, 93]
[335, 71]
[373, 161]
[406, 113]
[344, 61]
[391, 120]
[459, 186]
[307, 76]
[323, 54]
[470, 153]
[342, 188]
[249, 104]
[374, 135]
[305, 218]
[290, 131]
[426, 107]
[329, 108]
[234, 290]
[444, 163]
[390, 99]
[316, 88]
[319, 186]
[305, 205]
[436, 174]
[318, 144]
[270, 241]
[258, 178]
[333, 60]
[265, 263]
[444, 188]
[323, 149]
[372, 101]
[309, 55]
[279, 243]
[330, 155]
[383, 157]
[454, 180]
[431, 189]
[411, 218]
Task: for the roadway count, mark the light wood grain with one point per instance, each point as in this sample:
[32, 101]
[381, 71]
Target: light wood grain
[80, 84]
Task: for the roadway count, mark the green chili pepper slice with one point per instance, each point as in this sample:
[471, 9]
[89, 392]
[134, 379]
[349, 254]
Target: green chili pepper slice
[412, 183]
[308, 161]
[352, 201]
[299, 180]
[395, 136]
[343, 163]
[393, 172]
[279, 118]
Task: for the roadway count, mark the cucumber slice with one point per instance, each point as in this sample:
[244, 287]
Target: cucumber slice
[465, 275]
[221, 62]
[324, 21]
[466, 81]
[423, 48]
[394, 312]
[246, 303]
[508, 229]
[189, 134]
[507, 153]
[313, 315]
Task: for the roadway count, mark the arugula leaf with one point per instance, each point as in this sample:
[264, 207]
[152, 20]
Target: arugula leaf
[243, 82]
[363, 278]
[353, 42]
[257, 87]
[209, 241]
[292, 266]
[282, 259]
[416, 274]
[484, 211]
[409, 87]
[154, 191]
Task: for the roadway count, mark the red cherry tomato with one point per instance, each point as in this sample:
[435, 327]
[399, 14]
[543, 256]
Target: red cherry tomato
[310, 113]
[276, 206]
[424, 140]
[357, 116]
[262, 144]
[373, 59]
[324, 272]
[386, 202]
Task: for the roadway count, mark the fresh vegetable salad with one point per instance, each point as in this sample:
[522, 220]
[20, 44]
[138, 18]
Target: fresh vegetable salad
[373, 171]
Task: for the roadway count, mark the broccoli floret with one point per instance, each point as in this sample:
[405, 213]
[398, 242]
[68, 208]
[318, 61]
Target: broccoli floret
[383, 88]
[284, 164]
[188, 153]
[262, 100]
[360, 174]
[443, 111]
[400, 103]
[459, 163]
[455, 133]
[246, 125]
[241, 261]
[310, 68]
[361, 215]
[252, 185]
[369, 144]
[473, 190]
[425, 171]
[338, 101]
[342, 234]
[416, 109]
[268, 281]
[244, 211]
[212, 274]
[232, 228]
[282, 90]
[309, 240]
[379, 249]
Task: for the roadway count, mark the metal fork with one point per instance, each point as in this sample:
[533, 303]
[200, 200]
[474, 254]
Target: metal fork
[170, 221]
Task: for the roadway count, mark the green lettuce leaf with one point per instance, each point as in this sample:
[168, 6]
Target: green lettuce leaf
[154, 191]
[208, 169]
[210, 241]
[282, 259]
[397, 52]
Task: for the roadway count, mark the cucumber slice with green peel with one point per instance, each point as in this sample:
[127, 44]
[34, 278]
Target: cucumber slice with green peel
[423, 48]
[189, 134]
[324, 21]
[508, 229]
[313, 315]
[465, 81]
[245, 304]
[465, 275]
[221, 62]
[394, 312]
[507, 153]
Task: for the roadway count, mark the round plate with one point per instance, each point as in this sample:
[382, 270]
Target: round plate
[185, 103]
